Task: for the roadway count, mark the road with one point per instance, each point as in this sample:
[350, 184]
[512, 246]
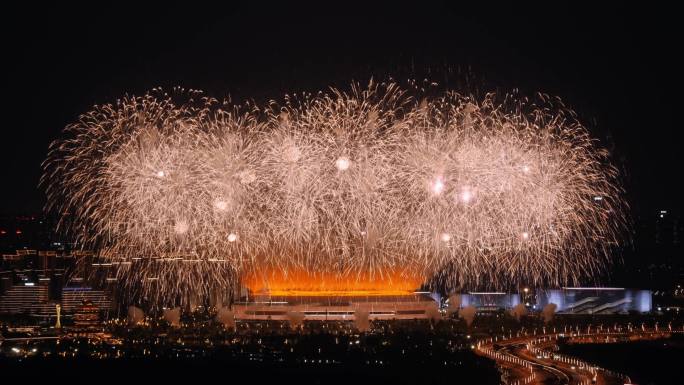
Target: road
[533, 359]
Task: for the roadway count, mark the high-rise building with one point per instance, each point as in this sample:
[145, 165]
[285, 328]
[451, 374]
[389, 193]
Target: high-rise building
[28, 298]
[73, 298]
[87, 315]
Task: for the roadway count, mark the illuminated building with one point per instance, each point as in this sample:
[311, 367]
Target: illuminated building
[40, 267]
[596, 300]
[337, 307]
[28, 298]
[87, 315]
[490, 301]
[528, 297]
[73, 298]
[327, 297]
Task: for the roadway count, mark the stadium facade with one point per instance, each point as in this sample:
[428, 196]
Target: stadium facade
[596, 300]
[376, 306]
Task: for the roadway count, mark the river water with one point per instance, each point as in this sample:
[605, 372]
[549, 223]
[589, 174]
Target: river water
[659, 362]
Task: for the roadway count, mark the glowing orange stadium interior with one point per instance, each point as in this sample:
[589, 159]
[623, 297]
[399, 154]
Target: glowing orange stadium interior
[287, 295]
[301, 283]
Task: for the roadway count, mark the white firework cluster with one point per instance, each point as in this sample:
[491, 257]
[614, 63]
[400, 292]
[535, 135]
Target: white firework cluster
[185, 195]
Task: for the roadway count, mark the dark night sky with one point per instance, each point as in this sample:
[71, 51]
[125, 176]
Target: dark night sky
[617, 66]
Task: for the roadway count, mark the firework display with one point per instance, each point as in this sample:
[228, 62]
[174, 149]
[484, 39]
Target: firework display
[379, 186]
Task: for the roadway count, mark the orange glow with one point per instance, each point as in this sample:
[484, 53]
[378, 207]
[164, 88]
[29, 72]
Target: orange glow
[337, 293]
[300, 282]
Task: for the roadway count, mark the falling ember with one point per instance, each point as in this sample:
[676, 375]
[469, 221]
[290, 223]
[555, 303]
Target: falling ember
[342, 163]
[181, 227]
[291, 154]
[267, 172]
[466, 195]
[246, 177]
[221, 205]
[437, 186]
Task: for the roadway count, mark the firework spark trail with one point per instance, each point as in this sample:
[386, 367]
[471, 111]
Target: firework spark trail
[184, 196]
